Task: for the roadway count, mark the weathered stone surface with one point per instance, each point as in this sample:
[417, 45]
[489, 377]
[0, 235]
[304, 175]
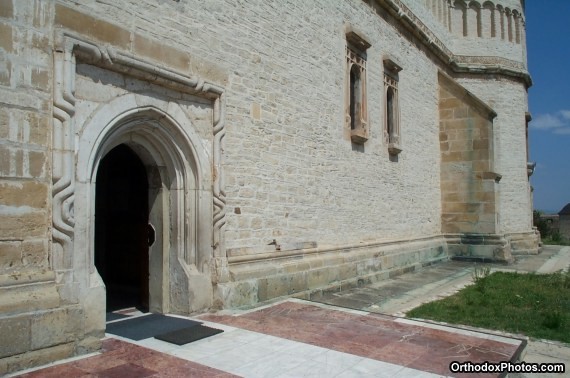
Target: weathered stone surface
[40, 78]
[159, 52]
[83, 23]
[36, 358]
[6, 9]
[469, 188]
[94, 319]
[16, 254]
[6, 37]
[10, 254]
[237, 294]
[318, 278]
[31, 194]
[20, 223]
[5, 74]
[17, 330]
[58, 326]
[273, 287]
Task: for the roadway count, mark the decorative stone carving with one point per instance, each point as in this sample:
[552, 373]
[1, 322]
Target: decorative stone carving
[71, 48]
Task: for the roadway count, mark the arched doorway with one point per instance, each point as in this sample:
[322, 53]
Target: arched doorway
[122, 229]
[167, 148]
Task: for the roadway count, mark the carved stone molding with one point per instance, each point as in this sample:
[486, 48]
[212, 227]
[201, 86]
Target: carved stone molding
[70, 48]
[63, 149]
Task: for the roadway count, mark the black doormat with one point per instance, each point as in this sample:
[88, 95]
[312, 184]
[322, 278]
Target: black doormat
[187, 335]
[143, 327]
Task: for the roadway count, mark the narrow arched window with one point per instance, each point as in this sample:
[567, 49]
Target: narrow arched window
[509, 17]
[391, 107]
[501, 22]
[459, 26]
[355, 103]
[517, 20]
[488, 24]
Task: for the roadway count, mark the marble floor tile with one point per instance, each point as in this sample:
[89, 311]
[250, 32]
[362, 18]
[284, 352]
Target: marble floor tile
[309, 369]
[128, 370]
[158, 345]
[232, 359]
[270, 365]
[123, 359]
[369, 367]
[380, 337]
[296, 339]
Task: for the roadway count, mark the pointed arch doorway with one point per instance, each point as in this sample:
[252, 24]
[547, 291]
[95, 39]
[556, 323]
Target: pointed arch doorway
[122, 229]
[160, 138]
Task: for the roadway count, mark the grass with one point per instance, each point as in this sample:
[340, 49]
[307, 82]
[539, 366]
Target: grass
[536, 305]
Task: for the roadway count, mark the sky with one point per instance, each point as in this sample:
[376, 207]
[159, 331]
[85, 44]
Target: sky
[548, 48]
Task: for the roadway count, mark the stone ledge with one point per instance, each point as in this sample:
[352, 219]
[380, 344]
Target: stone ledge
[39, 336]
[239, 256]
[341, 267]
[479, 247]
[26, 277]
[25, 297]
[526, 243]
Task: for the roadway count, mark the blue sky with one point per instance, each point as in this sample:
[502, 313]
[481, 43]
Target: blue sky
[548, 46]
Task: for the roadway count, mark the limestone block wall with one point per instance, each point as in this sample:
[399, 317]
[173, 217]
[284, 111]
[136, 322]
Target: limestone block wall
[52, 300]
[35, 313]
[469, 182]
[514, 199]
[468, 179]
[25, 116]
[508, 98]
[289, 167]
[309, 273]
[287, 204]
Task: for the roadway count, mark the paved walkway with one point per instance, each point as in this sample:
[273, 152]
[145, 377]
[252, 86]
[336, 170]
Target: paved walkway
[295, 338]
[400, 294]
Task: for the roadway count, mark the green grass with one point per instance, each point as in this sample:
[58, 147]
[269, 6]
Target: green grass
[536, 305]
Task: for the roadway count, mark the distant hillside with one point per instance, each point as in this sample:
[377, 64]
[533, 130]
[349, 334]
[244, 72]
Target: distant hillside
[548, 211]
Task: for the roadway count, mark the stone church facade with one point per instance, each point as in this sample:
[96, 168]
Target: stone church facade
[187, 156]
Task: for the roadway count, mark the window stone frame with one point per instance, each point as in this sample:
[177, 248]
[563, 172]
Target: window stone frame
[356, 109]
[392, 132]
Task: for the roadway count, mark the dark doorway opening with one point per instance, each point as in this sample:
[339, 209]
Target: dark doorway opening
[121, 229]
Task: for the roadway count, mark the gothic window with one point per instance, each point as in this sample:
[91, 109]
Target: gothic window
[391, 107]
[356, 110]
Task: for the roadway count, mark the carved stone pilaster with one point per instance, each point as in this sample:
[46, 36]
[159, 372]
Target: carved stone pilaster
[70, 48]
[62, 156]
